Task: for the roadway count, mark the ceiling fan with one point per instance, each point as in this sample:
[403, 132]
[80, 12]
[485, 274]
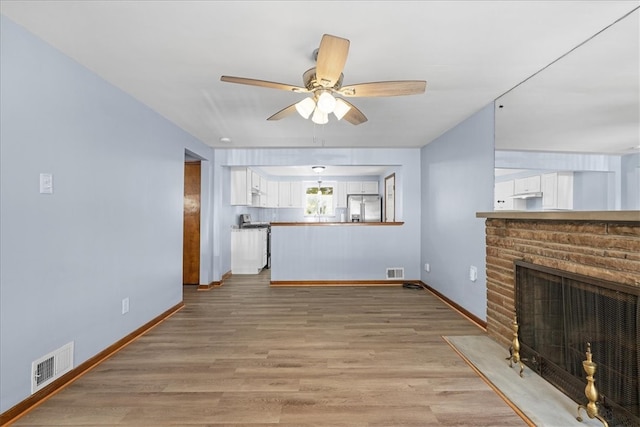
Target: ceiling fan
[324, 83]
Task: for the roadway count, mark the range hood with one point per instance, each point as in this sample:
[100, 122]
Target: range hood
[527, 195]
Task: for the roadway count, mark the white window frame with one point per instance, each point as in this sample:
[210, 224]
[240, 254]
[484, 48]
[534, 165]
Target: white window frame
[331, 206]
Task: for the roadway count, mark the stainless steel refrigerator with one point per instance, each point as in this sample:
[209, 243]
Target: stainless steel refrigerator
[364, 207]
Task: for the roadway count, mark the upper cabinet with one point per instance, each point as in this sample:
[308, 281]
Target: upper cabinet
[273, 193]
[503, 192]
[362, 187]
[503, 197]
[341, 195]
[255, 182]
[290, 194]
[248, 188]
[241, 186]
[557, 190]
[530, 184]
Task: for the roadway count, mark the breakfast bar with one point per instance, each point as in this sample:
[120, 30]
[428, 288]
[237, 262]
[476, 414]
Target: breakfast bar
[335, 253]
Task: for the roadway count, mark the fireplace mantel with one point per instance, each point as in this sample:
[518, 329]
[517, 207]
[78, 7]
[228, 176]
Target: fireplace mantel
[609, 216]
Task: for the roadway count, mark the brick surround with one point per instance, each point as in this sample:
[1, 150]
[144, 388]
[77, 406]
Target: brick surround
[604, 249]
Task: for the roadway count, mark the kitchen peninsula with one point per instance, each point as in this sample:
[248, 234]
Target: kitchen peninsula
[336, 253]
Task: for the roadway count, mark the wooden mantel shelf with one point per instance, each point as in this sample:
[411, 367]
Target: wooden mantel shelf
[616, 216]
[329, 224]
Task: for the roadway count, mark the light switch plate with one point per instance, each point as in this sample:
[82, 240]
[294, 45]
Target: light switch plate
[473, 273]
[46, 183]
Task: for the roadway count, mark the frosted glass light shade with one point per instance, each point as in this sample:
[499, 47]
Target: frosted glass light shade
[341, 109]
[319, 117]
[305, 107]
[326, 102]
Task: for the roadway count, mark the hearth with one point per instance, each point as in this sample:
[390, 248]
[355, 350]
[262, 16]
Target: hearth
[560, 314]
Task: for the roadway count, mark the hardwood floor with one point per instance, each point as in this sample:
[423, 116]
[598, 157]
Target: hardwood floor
[246, 354]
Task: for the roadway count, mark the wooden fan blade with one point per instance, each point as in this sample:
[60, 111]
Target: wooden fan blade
[263, 83]
[354, 116]
[285, 112]
[396, 88]
[332, 56]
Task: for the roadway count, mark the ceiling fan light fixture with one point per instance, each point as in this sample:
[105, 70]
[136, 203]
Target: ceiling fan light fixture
[319, 117]
[305, 107]
[326, 102]
[341, 109]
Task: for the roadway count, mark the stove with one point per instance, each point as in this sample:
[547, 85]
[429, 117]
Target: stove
[246, 223]
[255, 225]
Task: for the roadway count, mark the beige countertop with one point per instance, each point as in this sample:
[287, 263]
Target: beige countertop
[623, 216]
[329, 224]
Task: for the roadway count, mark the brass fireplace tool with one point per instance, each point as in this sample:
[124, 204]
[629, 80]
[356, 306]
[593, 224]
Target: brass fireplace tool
[590, 390]
[514, 348]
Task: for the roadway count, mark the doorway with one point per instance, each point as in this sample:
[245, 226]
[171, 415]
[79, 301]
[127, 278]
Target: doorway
[191, 226]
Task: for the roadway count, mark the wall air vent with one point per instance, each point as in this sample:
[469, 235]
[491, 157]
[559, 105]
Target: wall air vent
[395, 273]
[51, 366]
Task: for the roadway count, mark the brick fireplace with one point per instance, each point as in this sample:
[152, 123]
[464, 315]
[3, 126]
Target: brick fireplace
[602, 245]
[598, 245]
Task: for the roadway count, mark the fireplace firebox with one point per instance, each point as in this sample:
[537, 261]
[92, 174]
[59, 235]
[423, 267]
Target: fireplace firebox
[559, 314]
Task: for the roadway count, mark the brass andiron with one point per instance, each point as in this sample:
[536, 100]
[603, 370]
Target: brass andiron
[590, 390]
[514, 348]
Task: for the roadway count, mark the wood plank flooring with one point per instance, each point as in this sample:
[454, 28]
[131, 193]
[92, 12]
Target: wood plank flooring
[246, 354]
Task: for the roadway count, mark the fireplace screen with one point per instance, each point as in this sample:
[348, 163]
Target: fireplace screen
[559, 313]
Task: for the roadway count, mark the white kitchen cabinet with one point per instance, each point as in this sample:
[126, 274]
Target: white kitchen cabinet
[241, 186]
[502, 192]
[503, 200]
[248, 250]
[530, 184]
[273, 192]
[362, 187]
[557, 190]
[263, 185]
[340, 193]
[296, 194]
[290, 194]
[255, 182]
[263, 200]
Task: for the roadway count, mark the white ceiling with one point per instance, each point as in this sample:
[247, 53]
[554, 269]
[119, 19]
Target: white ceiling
[170, 56]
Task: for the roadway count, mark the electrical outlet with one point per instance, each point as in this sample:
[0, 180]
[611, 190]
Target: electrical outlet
[473, 273]
[125, 305]
[427, 267]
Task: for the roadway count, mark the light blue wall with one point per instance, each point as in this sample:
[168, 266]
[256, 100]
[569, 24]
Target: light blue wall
[457, 182]
[591, 191]
[112, 227]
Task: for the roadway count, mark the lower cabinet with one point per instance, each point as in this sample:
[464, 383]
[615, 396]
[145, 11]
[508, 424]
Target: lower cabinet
[248, 250]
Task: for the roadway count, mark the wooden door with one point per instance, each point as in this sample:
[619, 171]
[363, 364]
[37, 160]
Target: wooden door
[191, 228]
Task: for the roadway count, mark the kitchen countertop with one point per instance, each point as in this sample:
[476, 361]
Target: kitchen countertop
[329, 224]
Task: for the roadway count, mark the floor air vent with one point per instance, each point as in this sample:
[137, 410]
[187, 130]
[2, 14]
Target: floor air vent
[48, 368]
[395, 273]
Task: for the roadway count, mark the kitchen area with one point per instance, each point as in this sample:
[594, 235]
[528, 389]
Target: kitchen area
[286, 224]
